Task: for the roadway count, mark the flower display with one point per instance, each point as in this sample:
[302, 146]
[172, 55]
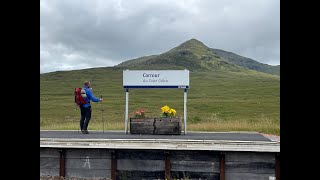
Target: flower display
[168, 112]
[139, 113]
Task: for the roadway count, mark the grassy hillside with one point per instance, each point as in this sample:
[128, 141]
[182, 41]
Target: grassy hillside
[218, 100]
[247, 62]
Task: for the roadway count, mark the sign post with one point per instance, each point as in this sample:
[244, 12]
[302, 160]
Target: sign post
[156, 79]
[185, 110]
[127, 109]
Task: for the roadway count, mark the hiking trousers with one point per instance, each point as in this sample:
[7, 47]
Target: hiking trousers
[85, 117]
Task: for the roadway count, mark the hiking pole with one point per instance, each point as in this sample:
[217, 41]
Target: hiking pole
[102, 115]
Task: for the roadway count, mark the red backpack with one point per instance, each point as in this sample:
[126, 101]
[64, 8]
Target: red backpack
[78, 99]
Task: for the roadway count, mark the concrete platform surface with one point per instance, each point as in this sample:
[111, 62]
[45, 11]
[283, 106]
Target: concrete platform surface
[232, 136]
[216, 141]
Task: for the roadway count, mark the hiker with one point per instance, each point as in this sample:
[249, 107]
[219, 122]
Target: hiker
[86, 108]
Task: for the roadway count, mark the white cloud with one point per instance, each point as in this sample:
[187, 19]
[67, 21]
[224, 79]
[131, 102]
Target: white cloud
[84, 33]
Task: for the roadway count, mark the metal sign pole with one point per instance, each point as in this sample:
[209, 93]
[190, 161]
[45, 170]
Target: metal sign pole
[127, 111]
[185, 111]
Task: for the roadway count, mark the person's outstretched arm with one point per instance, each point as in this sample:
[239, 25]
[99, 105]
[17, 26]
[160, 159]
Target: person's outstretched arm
[91, 96]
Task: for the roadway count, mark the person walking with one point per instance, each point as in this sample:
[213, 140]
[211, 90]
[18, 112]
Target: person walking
[86, 108]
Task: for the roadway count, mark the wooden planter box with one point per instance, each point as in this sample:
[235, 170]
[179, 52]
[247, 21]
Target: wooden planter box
[142, 125]
[169, 126]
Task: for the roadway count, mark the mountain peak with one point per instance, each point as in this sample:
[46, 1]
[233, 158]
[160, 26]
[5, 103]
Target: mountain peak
[194, 55]
[192, 42]
[193, 45]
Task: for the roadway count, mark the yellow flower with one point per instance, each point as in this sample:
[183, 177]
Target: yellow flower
[173, 112]
[165, 109]
[162, 109]
[168, 112]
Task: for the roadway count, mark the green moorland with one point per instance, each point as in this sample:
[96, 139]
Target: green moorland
[218, 100]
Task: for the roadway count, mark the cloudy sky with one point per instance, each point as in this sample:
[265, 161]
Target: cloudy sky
[77, 34]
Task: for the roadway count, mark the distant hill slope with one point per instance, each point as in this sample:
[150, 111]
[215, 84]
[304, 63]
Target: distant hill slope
[196, 56]
[247, 62]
